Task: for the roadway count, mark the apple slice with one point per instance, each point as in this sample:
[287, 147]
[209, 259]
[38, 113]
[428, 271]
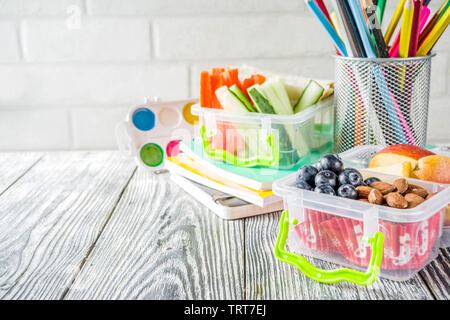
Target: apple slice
[402, 169]
[434, 168]
[399, 153]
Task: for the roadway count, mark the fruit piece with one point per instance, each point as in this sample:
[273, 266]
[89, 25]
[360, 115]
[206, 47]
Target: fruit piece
[331, 162]
[369, 180]
[326, 189]
[307, 174]
[351, 176]
[383, 187]
[434, 168]
[303, 185]
[401, 185]
[413, 200]
[363, 191]
[402, 169]
[326, 177]
[397, 154]
[375, 197]
[347, 191]
[396, 200]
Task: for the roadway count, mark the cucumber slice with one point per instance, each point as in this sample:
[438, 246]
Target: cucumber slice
[242, 97]
[261, 103]
[277, 95]
[229, 101]
[312, 93]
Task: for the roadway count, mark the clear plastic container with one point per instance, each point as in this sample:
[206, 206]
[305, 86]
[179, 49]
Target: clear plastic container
[359, 157]
[267, 140]
[349, 233]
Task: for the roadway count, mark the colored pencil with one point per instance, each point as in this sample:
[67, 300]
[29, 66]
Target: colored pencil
[393, 51]
[324, 9]
[393, 24]
[327, 26]
[381, 5]
[362, 27]
[415, 28]
[337, 26]
[432, 21]
[405, 36]
[355, 44]
[375, 28]
[426, 46]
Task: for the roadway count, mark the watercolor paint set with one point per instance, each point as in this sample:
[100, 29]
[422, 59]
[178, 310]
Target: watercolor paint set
[153, 131]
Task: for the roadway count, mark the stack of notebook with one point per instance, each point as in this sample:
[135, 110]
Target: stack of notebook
[230, 191]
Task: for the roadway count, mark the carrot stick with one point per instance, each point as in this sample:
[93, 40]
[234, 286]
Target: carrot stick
[205, 90]
[216, 83]
[258, 78]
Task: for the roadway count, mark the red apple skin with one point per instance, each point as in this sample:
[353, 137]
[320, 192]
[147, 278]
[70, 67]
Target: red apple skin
[409, 152]
[435, 168]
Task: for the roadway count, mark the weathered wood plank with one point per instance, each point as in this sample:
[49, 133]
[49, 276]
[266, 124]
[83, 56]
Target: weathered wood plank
[13, 165]
[51, 217]
[162, 244]
[437, 275]
[268, 278]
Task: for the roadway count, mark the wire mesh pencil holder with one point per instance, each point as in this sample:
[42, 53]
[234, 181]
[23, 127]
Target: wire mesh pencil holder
[381, 101]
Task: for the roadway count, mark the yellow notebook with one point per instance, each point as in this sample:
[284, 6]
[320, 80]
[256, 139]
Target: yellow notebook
[184, 165]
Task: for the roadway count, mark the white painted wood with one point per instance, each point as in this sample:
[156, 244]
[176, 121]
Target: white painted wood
[437, 275]
[52, 216]
[13, 165]
[162, 244]
[268, 278]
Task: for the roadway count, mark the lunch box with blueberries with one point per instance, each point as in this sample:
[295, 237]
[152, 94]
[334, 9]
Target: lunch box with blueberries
[391, 239]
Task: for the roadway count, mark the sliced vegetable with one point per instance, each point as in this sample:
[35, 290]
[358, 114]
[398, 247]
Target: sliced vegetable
[310, 96]
[276, 93]
[229, 101]
[216, 82]
[259, 100]
[242, 97]
[205, 90]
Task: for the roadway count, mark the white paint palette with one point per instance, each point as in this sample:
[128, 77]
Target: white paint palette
[153, 131]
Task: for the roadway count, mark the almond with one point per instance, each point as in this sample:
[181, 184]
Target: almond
[420, 192]
[431, 195]
[363, 191]
[383, 187]
[413, 200]
[375, 197]
[401, 184]
[396, 200]
[363, 200]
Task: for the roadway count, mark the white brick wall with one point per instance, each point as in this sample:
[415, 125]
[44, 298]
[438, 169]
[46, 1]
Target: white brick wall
[70, 69]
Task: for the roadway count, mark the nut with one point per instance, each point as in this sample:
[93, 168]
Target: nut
[383, 187]
[413, 200]
[431, 195]
[396, 200]
[420, 192]
[375, 197]
[401, 184]
[363, 200]
[363, 191]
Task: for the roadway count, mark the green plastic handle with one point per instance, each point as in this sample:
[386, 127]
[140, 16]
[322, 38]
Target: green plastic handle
[330, 276]
[224, 155]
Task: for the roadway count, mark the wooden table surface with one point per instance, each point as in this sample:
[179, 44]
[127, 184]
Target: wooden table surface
[91, 225]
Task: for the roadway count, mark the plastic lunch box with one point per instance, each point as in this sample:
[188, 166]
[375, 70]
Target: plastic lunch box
[267, 140]
[359, 157]
[387, 242]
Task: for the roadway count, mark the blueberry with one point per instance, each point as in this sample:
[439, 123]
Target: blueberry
[307, 174]
[347, 191]
[326, 177]
[351, 176]
[303, 185]
[325, 188]
[331, 162]
[371, 180]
